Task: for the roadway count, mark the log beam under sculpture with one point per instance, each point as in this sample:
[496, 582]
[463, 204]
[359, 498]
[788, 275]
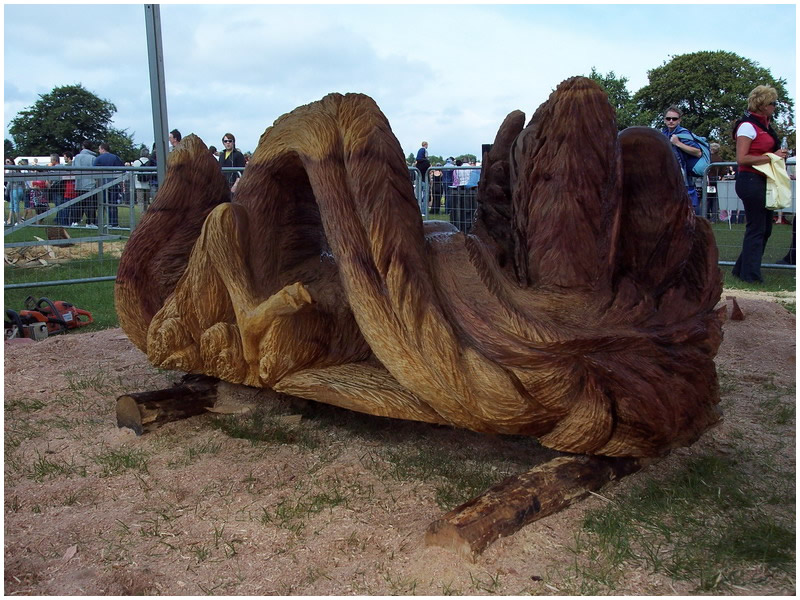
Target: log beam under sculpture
[580, 309]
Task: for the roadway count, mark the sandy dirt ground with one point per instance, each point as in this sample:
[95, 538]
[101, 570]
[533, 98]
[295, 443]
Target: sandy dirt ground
[187, 509]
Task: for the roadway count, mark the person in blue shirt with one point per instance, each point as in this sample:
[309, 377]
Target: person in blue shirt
[110, 195]
[672, 127]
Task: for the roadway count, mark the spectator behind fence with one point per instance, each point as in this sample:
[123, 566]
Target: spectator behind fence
[85, 182]
[111, 195]
[174, 139]
[423, 164]
[16, 197]
[436, 191]
[70, 193]
[447, 184]
[460, 201]
[231, 157]
[143, 180]
[681, 150]
[37, 195]
[755, 137]
[57, 190]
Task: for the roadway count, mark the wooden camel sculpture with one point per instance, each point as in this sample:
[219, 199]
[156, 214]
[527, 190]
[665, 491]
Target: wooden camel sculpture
[580, 309]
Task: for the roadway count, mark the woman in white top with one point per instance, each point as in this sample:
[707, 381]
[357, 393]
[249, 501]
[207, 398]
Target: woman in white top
[755, 137]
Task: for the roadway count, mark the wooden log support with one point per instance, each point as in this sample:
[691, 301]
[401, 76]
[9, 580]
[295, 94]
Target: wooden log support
[521, 499]
[145, 411]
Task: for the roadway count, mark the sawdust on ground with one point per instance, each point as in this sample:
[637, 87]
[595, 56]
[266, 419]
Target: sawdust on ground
[94, 510]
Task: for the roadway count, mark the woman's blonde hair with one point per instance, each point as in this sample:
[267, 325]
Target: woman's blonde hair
[760, 97]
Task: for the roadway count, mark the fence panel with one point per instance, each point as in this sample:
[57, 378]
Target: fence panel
[57, 233]
[42, 201]
[451, 195]
[724, 209]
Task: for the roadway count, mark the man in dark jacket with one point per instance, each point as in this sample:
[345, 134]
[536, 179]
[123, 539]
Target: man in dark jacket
[229, 156]
[110, 195]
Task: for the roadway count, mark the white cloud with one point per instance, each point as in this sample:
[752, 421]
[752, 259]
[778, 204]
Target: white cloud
[448, 74]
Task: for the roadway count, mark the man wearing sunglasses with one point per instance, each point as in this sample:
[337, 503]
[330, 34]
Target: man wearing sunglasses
[229, 156]
[672, 123]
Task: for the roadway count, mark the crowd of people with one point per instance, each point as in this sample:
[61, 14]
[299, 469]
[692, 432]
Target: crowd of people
[760, 164]
[27, 196]
[448, 189]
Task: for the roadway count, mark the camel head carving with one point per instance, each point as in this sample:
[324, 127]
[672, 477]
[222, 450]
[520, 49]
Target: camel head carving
[579, 309]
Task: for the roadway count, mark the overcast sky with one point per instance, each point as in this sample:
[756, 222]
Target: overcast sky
[447, 74]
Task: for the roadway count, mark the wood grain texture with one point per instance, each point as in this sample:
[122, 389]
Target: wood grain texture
[580, 309]
[501, 511]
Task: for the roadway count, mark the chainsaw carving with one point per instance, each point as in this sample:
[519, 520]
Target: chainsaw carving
[580, 309]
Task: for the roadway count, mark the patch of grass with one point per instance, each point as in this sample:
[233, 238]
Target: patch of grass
[22, 405]
[775, 280]
[729, 243]
[701, 525]
[449, 590]
[71, 499]
[261, 427]
[291, 514]
[790, 306]
[46, 468]
[457, 476]
[192, 453]
[96, 380]
[96, 297]
[119, 460]
[780, 408]
[490, 586]
[727, 382]
[200, 552]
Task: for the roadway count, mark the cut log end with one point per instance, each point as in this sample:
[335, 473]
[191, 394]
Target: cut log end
[128, 414]
[446, 535]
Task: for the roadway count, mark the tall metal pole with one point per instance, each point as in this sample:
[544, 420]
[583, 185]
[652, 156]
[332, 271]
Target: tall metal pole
[158, 96]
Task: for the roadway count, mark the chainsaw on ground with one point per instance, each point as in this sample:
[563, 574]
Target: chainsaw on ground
[44, 317]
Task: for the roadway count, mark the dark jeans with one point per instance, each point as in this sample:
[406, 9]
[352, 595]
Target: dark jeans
[462, 214]
[752, 188]
[111, 199]
[62, 216]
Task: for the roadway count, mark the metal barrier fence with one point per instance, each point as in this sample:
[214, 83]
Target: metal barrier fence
[67, 224]
[724, 209]
[98, 207]
[450, 194]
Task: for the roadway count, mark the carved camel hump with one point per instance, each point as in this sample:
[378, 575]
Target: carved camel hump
[580, 309]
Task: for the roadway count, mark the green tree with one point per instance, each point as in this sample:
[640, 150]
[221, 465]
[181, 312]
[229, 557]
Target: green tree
[62, 119]
[122, 145]
[619, 97]
[711, 89]
[8, 149]
[466, 158]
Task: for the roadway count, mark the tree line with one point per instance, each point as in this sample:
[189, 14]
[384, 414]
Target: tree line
[59, 122]
[710, 88]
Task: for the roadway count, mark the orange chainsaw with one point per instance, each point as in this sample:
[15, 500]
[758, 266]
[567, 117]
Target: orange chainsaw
[45, 317]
